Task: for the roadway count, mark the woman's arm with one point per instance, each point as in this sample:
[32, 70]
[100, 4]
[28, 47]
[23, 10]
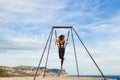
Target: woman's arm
[57, 42]
[67, 42]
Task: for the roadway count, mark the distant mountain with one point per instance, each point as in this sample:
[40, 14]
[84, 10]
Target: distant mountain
[27, 71]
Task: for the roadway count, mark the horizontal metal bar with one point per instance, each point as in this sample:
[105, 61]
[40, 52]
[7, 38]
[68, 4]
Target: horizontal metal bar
[62, 27]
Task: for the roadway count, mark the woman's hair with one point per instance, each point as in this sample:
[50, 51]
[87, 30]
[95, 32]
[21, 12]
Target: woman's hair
[61, 39]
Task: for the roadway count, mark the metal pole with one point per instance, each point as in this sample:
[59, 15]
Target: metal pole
[75, 52]
[42, 55]
[90, 55]
[48, 53]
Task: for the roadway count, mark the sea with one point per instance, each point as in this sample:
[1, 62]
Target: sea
[114, 77]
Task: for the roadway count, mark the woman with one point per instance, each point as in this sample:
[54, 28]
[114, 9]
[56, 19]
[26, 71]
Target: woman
[61, 42]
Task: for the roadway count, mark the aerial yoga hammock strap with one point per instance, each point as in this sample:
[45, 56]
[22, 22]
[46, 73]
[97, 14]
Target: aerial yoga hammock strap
[56, 35]
[67, 38]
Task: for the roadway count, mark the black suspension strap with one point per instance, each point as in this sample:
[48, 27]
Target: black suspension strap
[56, 36]
[42, 55]
[67, 38]
[48, 53]
[90, 55]
[75, 52]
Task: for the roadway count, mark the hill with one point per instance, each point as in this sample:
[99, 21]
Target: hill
[21, 71]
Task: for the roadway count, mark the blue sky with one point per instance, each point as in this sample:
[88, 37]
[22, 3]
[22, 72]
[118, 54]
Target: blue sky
[25, 25]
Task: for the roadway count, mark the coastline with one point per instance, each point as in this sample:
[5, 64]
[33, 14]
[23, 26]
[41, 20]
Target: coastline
[115, 77]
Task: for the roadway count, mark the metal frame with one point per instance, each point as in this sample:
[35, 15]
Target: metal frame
[50, 39]
[63, 27]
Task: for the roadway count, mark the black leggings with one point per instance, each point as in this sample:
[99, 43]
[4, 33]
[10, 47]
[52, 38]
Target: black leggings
[61, 55]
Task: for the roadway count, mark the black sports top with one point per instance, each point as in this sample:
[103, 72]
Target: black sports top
[61, 45]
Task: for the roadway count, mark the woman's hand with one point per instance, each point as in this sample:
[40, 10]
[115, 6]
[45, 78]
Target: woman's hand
[57, 42]
[67, 42]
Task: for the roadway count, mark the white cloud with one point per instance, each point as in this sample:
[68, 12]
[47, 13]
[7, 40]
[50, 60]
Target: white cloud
[30, 6]
[22, 44]
[28, 11]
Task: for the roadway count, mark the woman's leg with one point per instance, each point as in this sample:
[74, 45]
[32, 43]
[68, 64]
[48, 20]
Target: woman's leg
[60, 53]
[62, 56]
[62, 60]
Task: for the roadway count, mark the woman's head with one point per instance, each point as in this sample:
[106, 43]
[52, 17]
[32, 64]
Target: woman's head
[61, 39]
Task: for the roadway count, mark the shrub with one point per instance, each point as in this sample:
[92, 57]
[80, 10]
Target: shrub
[3, 73]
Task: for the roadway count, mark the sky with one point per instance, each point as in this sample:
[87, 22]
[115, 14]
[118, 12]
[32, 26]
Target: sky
[26, 24]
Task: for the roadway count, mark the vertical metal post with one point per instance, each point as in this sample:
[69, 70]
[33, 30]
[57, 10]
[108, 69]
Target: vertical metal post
[75, 52]
[42, 56]
[90, 55]
[48, 53]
